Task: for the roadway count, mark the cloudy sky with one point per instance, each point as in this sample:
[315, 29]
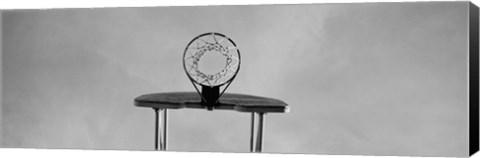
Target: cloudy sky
[373, 78]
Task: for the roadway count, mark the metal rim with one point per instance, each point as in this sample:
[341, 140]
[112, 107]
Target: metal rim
[212, 34]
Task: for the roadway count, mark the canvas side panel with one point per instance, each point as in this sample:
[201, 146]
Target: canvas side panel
[473, 51]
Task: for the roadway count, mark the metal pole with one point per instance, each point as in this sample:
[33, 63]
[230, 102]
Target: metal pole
[252, 133]
[164, 129]
[260, 132]
[156, 127]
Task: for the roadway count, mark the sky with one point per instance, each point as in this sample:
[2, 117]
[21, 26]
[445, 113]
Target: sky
[369, 79]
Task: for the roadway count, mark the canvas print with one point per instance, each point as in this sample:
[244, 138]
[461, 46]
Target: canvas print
[383, 79]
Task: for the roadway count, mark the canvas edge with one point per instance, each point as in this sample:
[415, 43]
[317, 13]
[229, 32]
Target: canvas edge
[473, 79]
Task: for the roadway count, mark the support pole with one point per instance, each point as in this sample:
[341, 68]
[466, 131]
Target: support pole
[252, 133]
[261, 122]
[164, 130]
[156, 127]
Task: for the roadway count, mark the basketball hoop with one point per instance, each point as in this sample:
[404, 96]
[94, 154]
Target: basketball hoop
[206, 73]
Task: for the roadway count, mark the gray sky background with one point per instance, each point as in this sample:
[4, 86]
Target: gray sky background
[372, 79]
[1, 107]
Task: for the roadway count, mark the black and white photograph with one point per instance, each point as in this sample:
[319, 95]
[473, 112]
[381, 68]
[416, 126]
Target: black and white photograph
[376, 79]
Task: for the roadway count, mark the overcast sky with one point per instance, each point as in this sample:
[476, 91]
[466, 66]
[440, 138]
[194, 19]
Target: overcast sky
[375, 79]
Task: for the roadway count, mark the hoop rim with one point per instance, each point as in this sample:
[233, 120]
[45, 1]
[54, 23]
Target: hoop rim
[205, 34]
